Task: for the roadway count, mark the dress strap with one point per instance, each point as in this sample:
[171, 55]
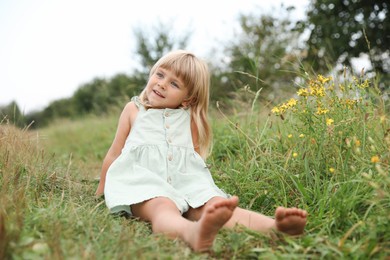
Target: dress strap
[137, 102]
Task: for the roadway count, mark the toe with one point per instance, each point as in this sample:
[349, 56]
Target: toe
[280, 213]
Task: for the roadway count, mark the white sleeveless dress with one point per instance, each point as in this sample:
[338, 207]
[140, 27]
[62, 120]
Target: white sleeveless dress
[159, 160]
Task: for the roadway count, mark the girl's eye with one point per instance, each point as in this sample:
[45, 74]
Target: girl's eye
[175, 84]
[159, 74]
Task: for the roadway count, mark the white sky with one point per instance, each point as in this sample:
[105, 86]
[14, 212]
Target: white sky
[49, 48]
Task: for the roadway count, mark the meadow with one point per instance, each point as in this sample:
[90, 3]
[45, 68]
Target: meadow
[325, 150]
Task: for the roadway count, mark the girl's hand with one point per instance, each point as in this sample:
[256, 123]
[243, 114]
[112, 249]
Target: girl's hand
[100, 190]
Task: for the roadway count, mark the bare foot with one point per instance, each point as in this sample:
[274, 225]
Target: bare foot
[211, 221]
[291, 221]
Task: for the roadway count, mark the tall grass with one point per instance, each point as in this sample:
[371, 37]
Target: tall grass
[326, 150]
[47, 203]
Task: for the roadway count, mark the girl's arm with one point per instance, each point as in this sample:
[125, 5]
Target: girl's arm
[126, 119]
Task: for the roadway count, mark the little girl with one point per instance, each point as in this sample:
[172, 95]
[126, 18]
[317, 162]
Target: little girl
[155, 168]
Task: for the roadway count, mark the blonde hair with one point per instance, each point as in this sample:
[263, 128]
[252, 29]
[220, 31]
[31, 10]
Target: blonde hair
[195, 75]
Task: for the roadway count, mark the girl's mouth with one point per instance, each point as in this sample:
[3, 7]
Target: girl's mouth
[158, 93]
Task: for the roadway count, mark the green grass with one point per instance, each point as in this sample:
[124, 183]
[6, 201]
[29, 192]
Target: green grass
[48, 208]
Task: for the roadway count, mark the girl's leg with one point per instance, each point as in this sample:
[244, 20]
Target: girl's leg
[288, 220]
[166, 218]
[291, 221]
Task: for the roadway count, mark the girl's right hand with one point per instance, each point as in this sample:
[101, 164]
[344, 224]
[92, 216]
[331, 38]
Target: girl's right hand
[100, 190]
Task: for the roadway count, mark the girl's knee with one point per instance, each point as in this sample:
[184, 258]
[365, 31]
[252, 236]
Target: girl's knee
[146, 210]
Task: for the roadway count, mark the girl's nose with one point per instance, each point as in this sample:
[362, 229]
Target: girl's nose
[161, 84]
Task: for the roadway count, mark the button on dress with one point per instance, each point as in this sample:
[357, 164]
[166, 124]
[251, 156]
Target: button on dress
[159, 160]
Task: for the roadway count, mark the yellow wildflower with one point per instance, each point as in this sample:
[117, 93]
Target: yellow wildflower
[365, 84]
[329, 121]
[318, 91]
[350, 103]
[289, 136]
[283, 108]
[357, 142]
[292, 102]
[275, 110]
[316, 88]
[323, 79]
[301, 135]
[321, 111]
[331, 170]
[375, 159]
[295, 155]
[303, 92]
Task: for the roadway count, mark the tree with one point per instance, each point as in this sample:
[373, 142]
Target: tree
[150, 47]
[264, 55]
[11, 113]
[343, 30]
[121, 88]
[92, 97]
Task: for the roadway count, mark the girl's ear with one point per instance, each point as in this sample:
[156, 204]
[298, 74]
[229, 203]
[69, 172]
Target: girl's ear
[186, 103]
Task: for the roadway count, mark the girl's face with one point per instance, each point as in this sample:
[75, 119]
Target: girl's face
[166, 90]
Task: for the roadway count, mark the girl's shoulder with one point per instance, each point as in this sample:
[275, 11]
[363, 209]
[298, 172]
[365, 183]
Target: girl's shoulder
[130, 112]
